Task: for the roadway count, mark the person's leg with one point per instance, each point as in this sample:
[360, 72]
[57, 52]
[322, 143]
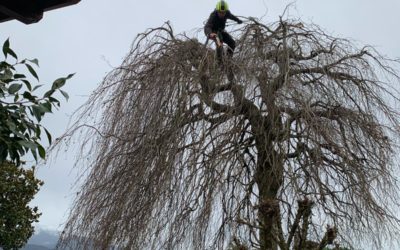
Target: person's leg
[219, 54]
[229, 41]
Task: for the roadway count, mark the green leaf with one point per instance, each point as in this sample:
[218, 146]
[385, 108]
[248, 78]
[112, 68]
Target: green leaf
[37, 112]
[48, 93]
[69, 76]
[48, 135]
[34, 154]
[27, 84]
[42, 152]
[61, 82]
[36, 87]
[28, 96]
[38, 131]
[4, 65]
[35, 61]
[3, 154]
[32, 71]
[19, 76]
[65, 94]
[28, 144]
[7, 50]
[44, 108]
[54, 100]
[11, 125]
[47, 105]
[58, 83]
[6, 46]
[12, 53]
[7, 75]
[14, 88]
[12, 107]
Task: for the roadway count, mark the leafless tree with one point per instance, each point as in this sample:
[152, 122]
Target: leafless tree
[290, 145]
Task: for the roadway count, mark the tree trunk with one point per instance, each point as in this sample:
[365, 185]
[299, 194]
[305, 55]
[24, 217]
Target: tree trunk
[268, 179]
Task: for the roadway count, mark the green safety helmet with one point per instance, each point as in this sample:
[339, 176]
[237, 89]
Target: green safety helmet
[222, 6]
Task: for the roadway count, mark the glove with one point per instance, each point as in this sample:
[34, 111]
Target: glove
[212, 36]
[240, 22]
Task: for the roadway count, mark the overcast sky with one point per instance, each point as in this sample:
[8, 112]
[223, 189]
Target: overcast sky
[93, 36]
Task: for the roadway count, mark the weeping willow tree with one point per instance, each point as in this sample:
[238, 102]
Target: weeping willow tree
[290, 145]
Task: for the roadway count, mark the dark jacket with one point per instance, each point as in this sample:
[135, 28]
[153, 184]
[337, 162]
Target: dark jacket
[215, 23]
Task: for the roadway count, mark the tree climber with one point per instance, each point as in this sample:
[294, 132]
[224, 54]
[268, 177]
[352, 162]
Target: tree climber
[215, 27]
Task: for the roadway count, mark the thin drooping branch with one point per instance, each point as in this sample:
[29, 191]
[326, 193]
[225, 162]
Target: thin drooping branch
[186, 155]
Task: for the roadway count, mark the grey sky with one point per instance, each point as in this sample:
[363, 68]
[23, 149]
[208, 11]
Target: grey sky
[91, 37]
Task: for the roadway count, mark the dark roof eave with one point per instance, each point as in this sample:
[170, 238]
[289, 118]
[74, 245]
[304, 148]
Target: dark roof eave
[61, 5]
[33, 16]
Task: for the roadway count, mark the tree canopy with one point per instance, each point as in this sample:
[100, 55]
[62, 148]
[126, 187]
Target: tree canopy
[21, 111]
[18, 187]
[294, 150]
